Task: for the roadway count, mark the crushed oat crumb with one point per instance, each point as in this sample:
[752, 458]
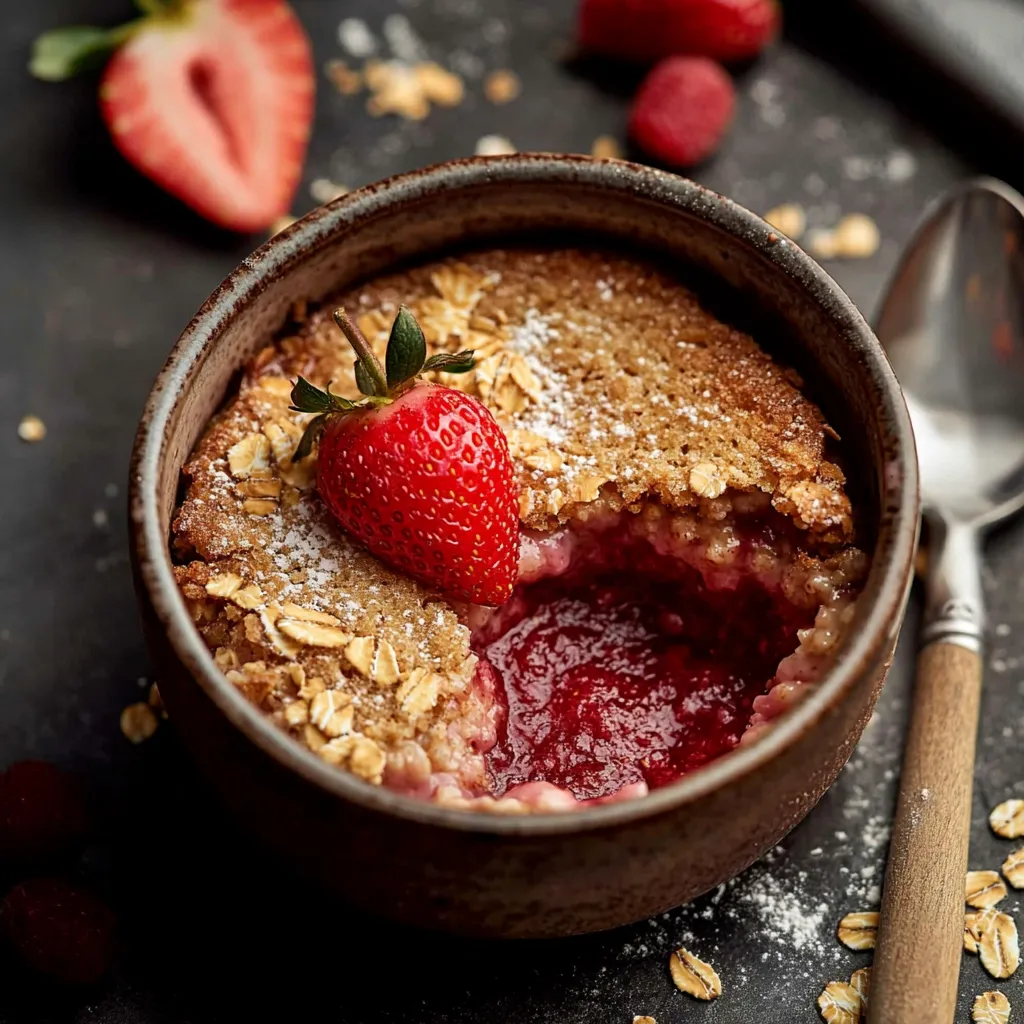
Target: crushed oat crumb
[494, 145]
[31, 429]
[502, 86]
[789, 218]
[856, 236]
[606, 147]
[138, 722]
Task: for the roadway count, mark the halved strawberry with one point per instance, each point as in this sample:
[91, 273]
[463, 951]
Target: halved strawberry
[212, 99]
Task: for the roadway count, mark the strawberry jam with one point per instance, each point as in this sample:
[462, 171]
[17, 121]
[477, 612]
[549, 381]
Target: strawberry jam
[640, 674]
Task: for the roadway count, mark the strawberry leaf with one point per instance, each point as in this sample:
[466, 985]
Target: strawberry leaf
[310, 437]
[364, 379]
[407, 349]
[308, 397]
[452, 362]
[64, 52]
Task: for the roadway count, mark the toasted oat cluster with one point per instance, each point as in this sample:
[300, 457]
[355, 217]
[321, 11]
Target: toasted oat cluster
[616, 391]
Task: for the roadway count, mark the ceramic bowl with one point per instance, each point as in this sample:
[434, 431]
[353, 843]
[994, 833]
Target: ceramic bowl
[539, 875]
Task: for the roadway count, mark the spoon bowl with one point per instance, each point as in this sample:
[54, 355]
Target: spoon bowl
[953, 328]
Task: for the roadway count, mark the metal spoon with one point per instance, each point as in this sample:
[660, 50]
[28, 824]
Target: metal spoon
[953, 326]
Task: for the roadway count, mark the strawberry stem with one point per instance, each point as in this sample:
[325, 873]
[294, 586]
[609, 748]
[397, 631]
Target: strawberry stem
[372, 372]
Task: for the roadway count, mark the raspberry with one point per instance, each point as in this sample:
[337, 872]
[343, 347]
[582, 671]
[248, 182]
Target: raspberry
[42, 815]
[58, 930]
[647, 30]
[682, 110]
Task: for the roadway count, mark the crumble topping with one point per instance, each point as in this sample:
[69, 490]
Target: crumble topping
[618, 394]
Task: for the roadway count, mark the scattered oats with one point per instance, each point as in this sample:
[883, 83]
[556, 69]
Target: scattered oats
[860, 982]
[332, 713]
[789, 218]
[606, 147]
[705, 481]
[990, 1008]
[384, 671]
[693, 976]
[31, 429]
[296, 713]
[857, 931]
[249, 598]
[280, 223]
[1013, 868]
[224, 585]
[983, 889]
[249, 457]
[440, 86]
[998, 947]
[138, 722]
[494, 145]
[856, 236]
[156, 701]
[840, 1003]
[502, 86]
[356, 38]
[100, 519]
[1007, 820]
[367, 760]
[312, 634]
[975, 922]
[360, 654]
[419, 693]
[259, 506]
[323, 190]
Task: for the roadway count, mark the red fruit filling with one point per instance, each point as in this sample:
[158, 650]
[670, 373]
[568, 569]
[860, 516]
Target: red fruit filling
[628, 668]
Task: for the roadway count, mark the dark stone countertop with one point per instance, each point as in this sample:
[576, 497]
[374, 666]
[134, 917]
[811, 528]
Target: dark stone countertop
[99, 272]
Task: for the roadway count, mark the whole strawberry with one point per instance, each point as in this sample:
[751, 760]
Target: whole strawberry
[42, 815]
[647, 30]
[682, 110]
[420, 473]
[211, 99]
[58, 930]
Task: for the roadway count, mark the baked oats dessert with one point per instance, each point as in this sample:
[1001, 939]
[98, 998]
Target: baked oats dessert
[687, 558]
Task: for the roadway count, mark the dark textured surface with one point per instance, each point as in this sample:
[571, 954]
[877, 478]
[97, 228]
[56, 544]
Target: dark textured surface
[99, 274]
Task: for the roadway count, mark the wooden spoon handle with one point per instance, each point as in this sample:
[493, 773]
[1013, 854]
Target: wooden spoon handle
[920, 933]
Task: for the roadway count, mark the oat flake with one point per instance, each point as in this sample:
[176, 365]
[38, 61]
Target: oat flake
[1013, 868]
[857, 931]
[990, 1008]
[840, 1003]
[998, 946]
[693, 976]
[1007, 820]
[984, 889]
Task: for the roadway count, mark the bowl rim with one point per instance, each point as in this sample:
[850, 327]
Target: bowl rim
[151, 549]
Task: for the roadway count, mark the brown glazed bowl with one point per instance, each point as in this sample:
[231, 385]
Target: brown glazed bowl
[539, 875]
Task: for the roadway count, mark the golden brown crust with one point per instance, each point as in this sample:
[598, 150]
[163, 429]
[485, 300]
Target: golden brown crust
[613, 386]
